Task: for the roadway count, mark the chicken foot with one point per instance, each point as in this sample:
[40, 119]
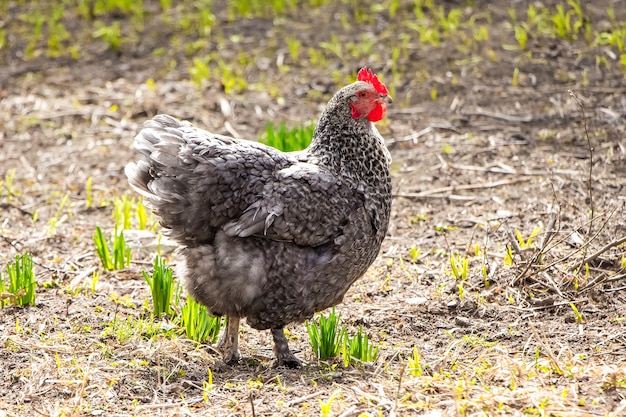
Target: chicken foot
[229, 341]
[284, 357]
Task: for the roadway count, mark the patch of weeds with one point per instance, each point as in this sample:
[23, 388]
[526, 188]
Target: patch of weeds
[110, 35]
[200, 22]
[124, 330]
[326, 335]
[199, 71]
[259, 8]
[113, 253]
[199, 325]
[294, 45]
[334, 46]
[568, 24]
[232, 81]
[161, 284]
[288, 140]
[21, 282]
[58, 35]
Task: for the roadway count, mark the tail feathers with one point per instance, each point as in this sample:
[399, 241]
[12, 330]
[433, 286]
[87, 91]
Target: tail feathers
[160, 143]
[138, 175]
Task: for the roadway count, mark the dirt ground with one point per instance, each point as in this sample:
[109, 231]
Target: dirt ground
[487, 140]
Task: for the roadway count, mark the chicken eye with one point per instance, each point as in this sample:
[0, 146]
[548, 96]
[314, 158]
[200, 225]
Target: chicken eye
[361, 94]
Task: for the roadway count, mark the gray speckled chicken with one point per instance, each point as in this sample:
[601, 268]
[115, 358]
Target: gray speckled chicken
[270, 236]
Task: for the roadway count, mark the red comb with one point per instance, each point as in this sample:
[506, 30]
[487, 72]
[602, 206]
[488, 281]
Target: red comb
[366, 74]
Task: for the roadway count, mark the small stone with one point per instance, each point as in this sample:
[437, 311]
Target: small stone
[462, 321]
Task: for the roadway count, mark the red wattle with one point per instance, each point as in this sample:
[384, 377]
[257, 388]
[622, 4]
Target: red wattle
[377, 114]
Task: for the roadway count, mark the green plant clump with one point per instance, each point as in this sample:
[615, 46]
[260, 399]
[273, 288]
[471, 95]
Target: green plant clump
[288, 140]
[21, 288]
[161, 284]
[113, 254]
[326, 336]
[199, 325]
[358, 348]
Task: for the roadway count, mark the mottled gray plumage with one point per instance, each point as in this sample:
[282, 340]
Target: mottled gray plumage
[270, 236]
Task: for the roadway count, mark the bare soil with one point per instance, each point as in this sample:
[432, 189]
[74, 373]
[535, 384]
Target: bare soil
[545, 335]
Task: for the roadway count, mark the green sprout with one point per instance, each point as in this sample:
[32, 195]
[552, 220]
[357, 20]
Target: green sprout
[508, 257]
[114, 253]
[142, 215]
[577, 314]
[415, 364]
[199, 325]
[524, 244]
[58, 218]
[325, 406]
[414, 253]
[326, 336]
[521, 36]
[294, 48]
[88, 191]
[515, 78]
[199, 72]
[358, 348]
[8, 184]
[459, 266]
[109, 34]
[125, 208]
[21, 288]
[122, 212]
[161, 284]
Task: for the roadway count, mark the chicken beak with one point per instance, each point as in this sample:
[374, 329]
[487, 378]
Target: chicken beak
[386, 99]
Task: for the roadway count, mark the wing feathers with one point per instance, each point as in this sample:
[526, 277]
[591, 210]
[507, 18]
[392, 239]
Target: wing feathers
[198, 182]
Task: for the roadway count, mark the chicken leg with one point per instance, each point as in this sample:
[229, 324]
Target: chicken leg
[284, 357]
[229, 341]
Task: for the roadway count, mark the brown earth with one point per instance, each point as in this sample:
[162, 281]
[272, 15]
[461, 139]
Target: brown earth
[482, 159]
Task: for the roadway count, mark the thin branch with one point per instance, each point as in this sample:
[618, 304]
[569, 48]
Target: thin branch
[606, 247]
[590, 177]
[452, 188]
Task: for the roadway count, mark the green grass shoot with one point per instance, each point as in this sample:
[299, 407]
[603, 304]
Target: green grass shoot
[21, 288]
[459, 266]
[88, 192]
[161, 284]
[287, 140]
[122, 212]
[199, 325]
[415, 364]
[142, 215]
[127, 208]
[114, 253]
[358, 348]
[326, 335]
[8, 184]
[4, 295]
